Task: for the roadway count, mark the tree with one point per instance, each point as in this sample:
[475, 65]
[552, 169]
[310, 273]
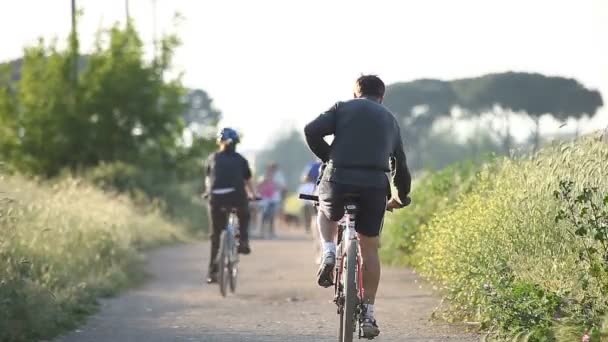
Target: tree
[8, 124]
[200, 114]
[44, 112]
[122, 109]
[421, 104]
[530, 93]
[125, 123]
[443, 148]
[132, 112]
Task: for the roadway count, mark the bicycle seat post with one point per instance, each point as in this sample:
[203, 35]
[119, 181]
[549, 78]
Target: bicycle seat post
[350, 211]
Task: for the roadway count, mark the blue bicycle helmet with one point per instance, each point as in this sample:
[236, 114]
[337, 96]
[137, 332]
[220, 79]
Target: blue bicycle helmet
[228, 134]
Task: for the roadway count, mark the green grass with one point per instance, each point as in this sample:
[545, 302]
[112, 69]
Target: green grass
[432, 192]
[500, 256]
[64, 244]
[177, 197]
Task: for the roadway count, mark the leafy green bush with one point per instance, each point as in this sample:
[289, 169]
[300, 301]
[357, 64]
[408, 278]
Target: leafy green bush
[125, 116]
[510, 255]
[62, 245]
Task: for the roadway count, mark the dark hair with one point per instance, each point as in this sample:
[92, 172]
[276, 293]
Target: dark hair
[369, 85]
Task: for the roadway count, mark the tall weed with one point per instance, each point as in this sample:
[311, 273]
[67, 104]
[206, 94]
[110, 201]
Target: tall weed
[62, 245]
[432, 193]
[504, 260]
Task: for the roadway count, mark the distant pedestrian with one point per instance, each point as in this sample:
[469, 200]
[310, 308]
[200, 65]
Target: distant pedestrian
[270, 191]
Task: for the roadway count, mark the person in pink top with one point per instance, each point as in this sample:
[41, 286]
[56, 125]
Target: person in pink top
[270, 193]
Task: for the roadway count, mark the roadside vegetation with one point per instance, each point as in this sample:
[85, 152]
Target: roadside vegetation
[63, 244]
[100, 158]
[519, 246]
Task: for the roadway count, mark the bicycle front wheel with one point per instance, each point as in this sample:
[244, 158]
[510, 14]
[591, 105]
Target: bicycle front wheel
[341, 326]
[350, 292]
[233, 266]
[224, 262]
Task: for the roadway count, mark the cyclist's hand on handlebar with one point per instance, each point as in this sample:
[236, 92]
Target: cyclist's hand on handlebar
[255, 197]
[394, 204]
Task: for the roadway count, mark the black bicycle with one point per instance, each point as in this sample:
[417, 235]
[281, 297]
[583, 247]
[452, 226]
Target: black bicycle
[348, 287]
[228, 256]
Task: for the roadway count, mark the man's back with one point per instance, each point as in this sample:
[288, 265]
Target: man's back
[366, 135]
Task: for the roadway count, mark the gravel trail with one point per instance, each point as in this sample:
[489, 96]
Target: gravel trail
[277, 300]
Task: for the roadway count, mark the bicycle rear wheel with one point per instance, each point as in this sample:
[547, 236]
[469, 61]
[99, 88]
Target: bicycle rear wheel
[341, 326]
[350, 292]
[224, 262]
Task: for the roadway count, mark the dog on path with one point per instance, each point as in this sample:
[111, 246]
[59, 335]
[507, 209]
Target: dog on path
[291, 220]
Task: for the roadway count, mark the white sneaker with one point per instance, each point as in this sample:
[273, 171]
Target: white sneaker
[325, 276]
[318, 259]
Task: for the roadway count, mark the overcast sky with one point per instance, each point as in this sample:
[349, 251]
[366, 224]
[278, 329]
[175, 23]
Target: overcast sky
[272, 65]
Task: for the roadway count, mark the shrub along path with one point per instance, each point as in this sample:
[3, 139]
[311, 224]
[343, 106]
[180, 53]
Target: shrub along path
[277, 300]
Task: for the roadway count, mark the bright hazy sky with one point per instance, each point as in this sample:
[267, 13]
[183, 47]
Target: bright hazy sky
[271, 65]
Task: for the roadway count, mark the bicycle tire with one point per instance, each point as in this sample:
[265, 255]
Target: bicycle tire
[233, 271]
[341, 325]
[339, 289]
[233, 266]
[350, 292]
[223, 262]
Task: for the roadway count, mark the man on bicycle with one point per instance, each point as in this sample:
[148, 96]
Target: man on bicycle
[228, 178]
[367, 144]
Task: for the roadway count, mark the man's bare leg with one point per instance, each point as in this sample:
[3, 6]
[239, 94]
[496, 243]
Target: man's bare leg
[371, 278]
[371, 266]
[328, 231]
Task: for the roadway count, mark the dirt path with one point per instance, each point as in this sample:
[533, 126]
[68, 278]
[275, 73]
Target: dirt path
[277, 300]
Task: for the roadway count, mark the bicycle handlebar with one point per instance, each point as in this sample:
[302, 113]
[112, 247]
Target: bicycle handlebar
[257, 199]
[309, 197]
[315, 198]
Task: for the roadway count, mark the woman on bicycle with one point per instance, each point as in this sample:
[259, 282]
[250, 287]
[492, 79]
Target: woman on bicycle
[228, 179]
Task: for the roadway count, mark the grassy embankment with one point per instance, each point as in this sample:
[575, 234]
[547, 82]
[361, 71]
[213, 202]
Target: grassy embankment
[63, 245]
[519, 247]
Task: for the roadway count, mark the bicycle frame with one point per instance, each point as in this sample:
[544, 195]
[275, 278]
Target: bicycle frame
[349, 303]
[346, 234]
[349, 241]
